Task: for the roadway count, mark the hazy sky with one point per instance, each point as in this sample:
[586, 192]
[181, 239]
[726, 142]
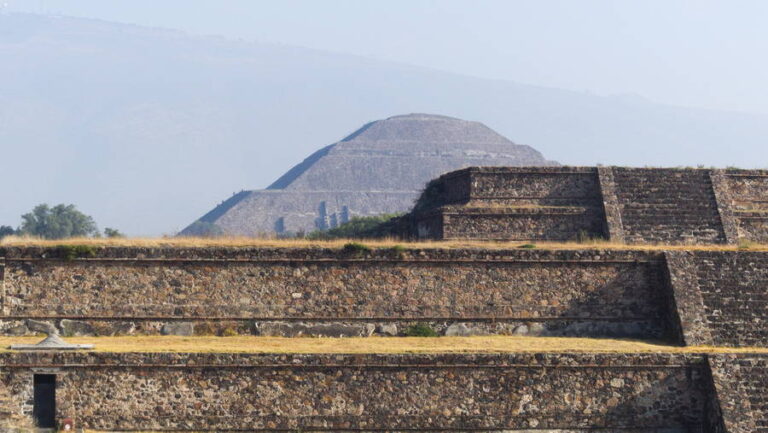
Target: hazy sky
[688, 52]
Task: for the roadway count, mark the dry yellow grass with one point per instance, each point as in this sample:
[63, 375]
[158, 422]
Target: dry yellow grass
[491, 344]
[241, 242]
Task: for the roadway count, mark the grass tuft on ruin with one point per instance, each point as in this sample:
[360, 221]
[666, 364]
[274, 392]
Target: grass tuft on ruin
[373, 244]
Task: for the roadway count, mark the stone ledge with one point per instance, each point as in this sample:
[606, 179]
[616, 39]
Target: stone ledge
[245, 360]
[262, 254]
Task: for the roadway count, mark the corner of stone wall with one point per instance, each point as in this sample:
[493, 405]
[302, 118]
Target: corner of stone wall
[713, 413]
[724, 202]
[686, 317]
[614, 227]
[728, 409]
[2, 283]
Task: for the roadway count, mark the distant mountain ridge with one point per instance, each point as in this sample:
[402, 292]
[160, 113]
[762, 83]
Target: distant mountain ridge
[380, 168]
[144, 128]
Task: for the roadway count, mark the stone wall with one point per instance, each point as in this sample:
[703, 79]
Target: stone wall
[740, 382]
[669, 206]
[532, 203]
[514, 185]
[722, 297]
[639, 393]
[521, 224]
[749, 203]
[691, 297]
[633, 205]
[332, 292]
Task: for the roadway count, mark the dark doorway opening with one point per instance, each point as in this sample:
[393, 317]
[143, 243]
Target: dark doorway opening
[44, 411]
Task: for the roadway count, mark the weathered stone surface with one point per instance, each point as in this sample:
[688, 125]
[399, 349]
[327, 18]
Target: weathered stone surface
[541, 203]
[378, 169]
[14, 327]
[389, 329]
[283, 329]
[690, 322]
[614, 228]
[745, 192]
[631, 294]
[121, 328]
[75, 328]
[521, 330]
[164, 391]
[536, 329]
[732, 287]
[740, 382]
[463, 330]
[316, 286]
[669, 206]
[636, 205]
[178, 328]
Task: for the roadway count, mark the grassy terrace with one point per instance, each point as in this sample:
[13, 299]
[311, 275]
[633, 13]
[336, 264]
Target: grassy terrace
[494, 344]
[238, 242]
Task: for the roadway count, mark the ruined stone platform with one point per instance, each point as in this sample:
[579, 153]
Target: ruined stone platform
[619, 204]
[637, 339]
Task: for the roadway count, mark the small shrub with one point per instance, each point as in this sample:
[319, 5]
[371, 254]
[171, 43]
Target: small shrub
[420, 330]
[112, 233]
[229, 332]
[205, 329]
[361, 227]
[528, 246]
[585, 237]
[72, 252]
[398, 251]
[355, 249]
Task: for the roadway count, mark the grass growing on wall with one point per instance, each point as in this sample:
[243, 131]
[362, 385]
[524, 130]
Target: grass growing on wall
[400, 245]
[490, 344]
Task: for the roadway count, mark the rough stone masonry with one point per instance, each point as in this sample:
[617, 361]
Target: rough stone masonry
[194, 392]
[694, 297]
[632, 205]
[327, 292]
[686, 297]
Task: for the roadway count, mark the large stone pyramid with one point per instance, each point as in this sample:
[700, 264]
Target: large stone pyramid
[380, 168]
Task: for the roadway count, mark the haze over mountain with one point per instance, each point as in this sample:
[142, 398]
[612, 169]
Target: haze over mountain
[146, 128]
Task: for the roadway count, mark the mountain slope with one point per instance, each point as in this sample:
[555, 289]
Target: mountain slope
[144, 128]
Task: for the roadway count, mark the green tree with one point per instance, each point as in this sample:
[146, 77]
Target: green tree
[112, 233]
[58, 222]
[379, 226]
[6, 231]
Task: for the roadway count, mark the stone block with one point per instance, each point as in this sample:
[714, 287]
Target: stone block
[286, 329]
[185, 329]
[536, 329]
[75, 328]
[389, 329]
[520, 330]
[463, 330]
[15, 328]
[114, 328]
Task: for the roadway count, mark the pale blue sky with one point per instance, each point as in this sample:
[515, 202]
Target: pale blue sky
[688, 52]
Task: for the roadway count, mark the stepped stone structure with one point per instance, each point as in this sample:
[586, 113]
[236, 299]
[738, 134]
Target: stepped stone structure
[632, 205]
[684, 297]
[380, 168]
[704, 307]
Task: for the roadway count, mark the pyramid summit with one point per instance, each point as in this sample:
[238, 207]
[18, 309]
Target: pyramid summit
[380, 168]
